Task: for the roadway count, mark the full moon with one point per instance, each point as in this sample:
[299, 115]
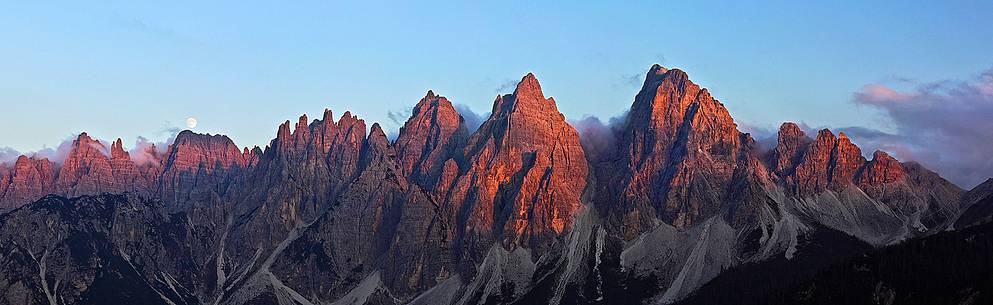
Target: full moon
[191, 122]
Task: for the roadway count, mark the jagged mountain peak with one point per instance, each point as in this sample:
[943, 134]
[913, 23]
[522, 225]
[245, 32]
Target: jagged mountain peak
[791, 144]
[376, 133]
[431, 100]
[658, 74]
[83, 137]
[334, 211]
[528, 83]
[790, 129]
[525, 144]
[84, 145]
[117, 150]
[676, 136]
[527, 98]
[657, 69]
[434, 134]
[881, 155]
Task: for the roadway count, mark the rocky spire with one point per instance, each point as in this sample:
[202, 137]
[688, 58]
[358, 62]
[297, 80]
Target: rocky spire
[678, 143]
[791, 144]
[86, 169]
[251, 156]
[432, 135]
[846, 161]
[378, 150]
[524, 172]
[117, 150]
[812, 173]
[829, 162]
[883, 169]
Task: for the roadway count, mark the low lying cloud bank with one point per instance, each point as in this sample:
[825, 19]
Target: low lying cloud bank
[599, 137]
[8, 154]
[57, 154]
[945, 125]
[144, 152]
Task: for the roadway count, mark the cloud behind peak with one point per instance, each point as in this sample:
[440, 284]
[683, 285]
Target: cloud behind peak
[945, 125]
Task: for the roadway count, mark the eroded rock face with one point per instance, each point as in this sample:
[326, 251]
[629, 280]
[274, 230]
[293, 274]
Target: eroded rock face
[90, 167]
[194, 166]
[677, 153]
[434, 134]
[792, 143]
[93, 250]
[882, 170]
[524, 173]
[918, 197]
[86, 170]
[328, 212]
[26, 181]
[829, 162]
[198, 165]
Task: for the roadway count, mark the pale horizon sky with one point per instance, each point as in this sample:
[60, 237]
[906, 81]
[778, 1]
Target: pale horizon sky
[128, 69]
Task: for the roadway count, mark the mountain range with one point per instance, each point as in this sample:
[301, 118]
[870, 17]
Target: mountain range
[673, 205]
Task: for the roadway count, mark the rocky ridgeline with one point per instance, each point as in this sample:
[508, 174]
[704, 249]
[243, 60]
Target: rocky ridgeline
[515, 211]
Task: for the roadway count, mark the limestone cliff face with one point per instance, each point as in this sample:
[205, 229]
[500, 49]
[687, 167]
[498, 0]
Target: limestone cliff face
[351, 234]
[27, 180]
[829, 162]
[194, 166]
[303, 171]
[90, 167]
[523, 176]
[199, 166]
[330, 212]
[677, 152]
[86, 169]
[792, 143]
[835, 164]
[434, 134]
[295, 180]
[88, 250]
[882, 170]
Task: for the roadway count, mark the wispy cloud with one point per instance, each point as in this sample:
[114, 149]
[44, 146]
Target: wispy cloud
[507, 86]
[633, 80]
[56, 154]
[397, 118]
[152, 29]
[146, 152]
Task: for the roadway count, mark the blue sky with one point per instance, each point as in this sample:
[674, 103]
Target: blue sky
[134, 68]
